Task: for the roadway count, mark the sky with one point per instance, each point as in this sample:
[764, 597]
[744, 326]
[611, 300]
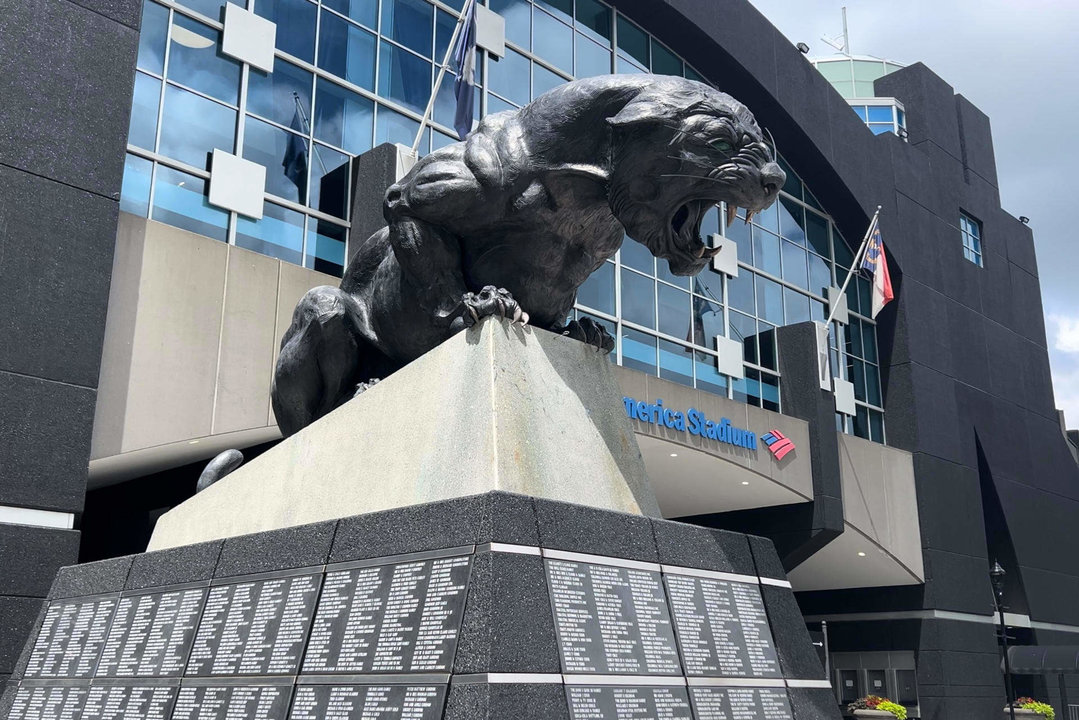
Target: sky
[1017, 60]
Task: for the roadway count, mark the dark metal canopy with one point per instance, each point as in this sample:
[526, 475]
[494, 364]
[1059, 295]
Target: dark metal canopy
[1044, 660]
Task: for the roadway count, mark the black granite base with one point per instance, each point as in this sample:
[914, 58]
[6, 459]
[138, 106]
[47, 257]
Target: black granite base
[495, 606]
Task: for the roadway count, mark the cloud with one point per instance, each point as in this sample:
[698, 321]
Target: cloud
[1066, 333]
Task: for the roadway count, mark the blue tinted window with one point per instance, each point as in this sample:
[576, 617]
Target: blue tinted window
[283, 96]
[597, 292]
[594, 18]
[325, 247]
[497, 105]
[633, 41]
[278, 234]
[817, 234]
[544, 80]
[637, 256]
[592, 59]
[195, 60]
[192, 126]
[708, 377]
[403, 77]
[552, 40]
[707, 321]
[665, 62]
[880, 113]
[744, 329]
[675, 363]
[860, 111]
[881, 129]
[638, 299]
[509, 77]
[393, 127]
[135, 192]
[362, 11]
[142, 129]
[439, 141]
[638, 351]
[674, 312]
[518, 15]
[347, 51]
[343, 118]
[559, 8]
[797, 306]
[626, 67]
[820, 276]
[329, 181]
[155, 23]
[740, 291]
[766, 252]
[692, 74]
[709, 284]
[795, 269]
[210, 8]
[769, 301]
[180, 200]
[446, 102]
[283, 154]
[792, 221]
[295, 25]
[444, 27]
[409, 22]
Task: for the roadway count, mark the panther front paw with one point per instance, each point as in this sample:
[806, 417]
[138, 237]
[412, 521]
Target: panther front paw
[491, 301]
[591, 332]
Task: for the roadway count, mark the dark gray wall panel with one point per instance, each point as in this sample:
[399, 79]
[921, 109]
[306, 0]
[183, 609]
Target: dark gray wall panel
[32, 555]
[17, 616]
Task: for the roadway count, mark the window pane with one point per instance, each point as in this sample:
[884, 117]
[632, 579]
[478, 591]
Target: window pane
[740, 292]
[196, 61]
[544, 80]
[142, 129]
[633, 41]
[820, 276]
[833, 71]
[692, 74]
[637, 256]
[872, 384]
[797, 306]
[445, 24]
[135, 192]
[518, 15]
[283, 96]
[362, 11]
[559, 8]
[210, 8]
[708, 377]
[509, 77]
[192, 127]
[744, 329]
[769, 301]
[552, 41]
[707, 322]
[325, 247]
[664, 62]
[861, 422]
[638, 300]
[766, 340]
[710, 284]
[768, 219]
[638, 351]
[627, 67]
[843, 254]
[595, 19]
[278, 234]
[740, 233]
[329, 181]
[876, 425]
[766, 252]
[404, 77]
[869, 342]
[817, 234]
[409, 22]
[879, 113]
[769, 392]
[792, 185]
[155, 22]
[285, 157]
[597, 292]
[748, 389]
[295, 25]
[792, 221]
[881, 129]
[347, 51]
[393, 127]
[439, 141]
[663, 272]
[343, 118]
[497, 105]
[674, 309]
[446, 103]
[675, 363]
[180, 200]
[795, 270]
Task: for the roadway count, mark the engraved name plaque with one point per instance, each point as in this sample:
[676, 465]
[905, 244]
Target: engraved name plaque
[151, 634]
[628, 703]
[722, 628]
[235, 702]
[611, 619]
[403, 617]
[119, 702]
[48, 703]
[741, 704]
[70, 639]
[368, 702]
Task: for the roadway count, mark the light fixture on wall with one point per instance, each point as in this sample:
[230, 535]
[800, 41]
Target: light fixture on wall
[802, 48]
[1024, 219]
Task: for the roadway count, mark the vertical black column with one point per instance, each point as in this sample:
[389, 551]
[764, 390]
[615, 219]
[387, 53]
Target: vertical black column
[66, 77]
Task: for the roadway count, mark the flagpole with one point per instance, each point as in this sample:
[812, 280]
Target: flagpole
[441, 74]
[307, 127]
[854, 265]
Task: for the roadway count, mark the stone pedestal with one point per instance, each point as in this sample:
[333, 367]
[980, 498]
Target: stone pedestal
[498, 407]
[492, 607]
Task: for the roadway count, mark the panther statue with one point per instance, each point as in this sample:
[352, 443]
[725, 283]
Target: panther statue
[514, 219]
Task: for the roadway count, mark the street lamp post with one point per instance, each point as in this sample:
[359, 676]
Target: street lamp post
[996, 576]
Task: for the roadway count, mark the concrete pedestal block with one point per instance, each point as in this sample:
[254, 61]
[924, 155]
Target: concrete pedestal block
[498, 407]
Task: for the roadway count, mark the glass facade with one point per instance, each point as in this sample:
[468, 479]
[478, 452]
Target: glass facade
[853, 78]
[971, 232]
[350, 74]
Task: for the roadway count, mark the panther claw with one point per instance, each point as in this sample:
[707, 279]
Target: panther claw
[363, 387]
[492, 301]
[590, 332]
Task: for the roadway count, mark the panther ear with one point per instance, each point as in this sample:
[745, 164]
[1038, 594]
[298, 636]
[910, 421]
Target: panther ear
[638, 110]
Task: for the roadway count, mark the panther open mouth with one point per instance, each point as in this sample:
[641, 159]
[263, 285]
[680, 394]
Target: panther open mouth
[686, 229]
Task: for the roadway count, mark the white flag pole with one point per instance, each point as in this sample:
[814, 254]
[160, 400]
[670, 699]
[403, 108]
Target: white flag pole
[854, 265]
[441, 74]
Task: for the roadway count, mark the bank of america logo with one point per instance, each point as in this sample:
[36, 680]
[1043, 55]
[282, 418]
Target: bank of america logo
[777, 443]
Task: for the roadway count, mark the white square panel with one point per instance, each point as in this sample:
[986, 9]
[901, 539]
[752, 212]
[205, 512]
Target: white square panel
[237, 184]
[248, 37]
[839, 302]
[490, 31]
[730, 357]
[844, 396]
[726, 261]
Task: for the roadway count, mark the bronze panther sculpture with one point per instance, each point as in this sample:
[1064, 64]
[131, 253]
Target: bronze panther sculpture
[515, 218]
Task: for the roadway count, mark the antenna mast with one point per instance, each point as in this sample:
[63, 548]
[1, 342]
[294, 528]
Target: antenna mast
[834, 42]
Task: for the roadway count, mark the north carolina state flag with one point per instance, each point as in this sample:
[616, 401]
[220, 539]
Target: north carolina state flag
[877, 264]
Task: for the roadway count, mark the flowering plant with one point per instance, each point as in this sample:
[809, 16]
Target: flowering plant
[894, 708]
[1027, 703]
[869, 702]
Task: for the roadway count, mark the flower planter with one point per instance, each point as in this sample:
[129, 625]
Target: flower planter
[1023, 714]
[876, 714]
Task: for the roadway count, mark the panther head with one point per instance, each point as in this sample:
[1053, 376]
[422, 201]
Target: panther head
[678, 148]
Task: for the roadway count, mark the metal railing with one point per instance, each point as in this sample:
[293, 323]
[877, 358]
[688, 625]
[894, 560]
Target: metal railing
[1073, 712]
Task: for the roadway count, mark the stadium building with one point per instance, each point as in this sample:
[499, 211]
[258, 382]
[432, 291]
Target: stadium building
[144, 295]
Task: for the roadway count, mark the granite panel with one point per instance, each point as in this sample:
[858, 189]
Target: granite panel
[504, 701]
[44, 442]
[174, 566]
[696, 547]
[295, 547]
[797, 657]
[765, 558]
[127, 12]
[813, 703]
[31, 557]
[7, 697]
[976, 138]
[945, 486]
[491, 517]
[17, 616]
[93, 578]
[76, 132]
[508, 625]
[576, 528]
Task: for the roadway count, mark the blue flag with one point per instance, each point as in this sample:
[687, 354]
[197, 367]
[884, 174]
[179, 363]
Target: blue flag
[464, 59]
